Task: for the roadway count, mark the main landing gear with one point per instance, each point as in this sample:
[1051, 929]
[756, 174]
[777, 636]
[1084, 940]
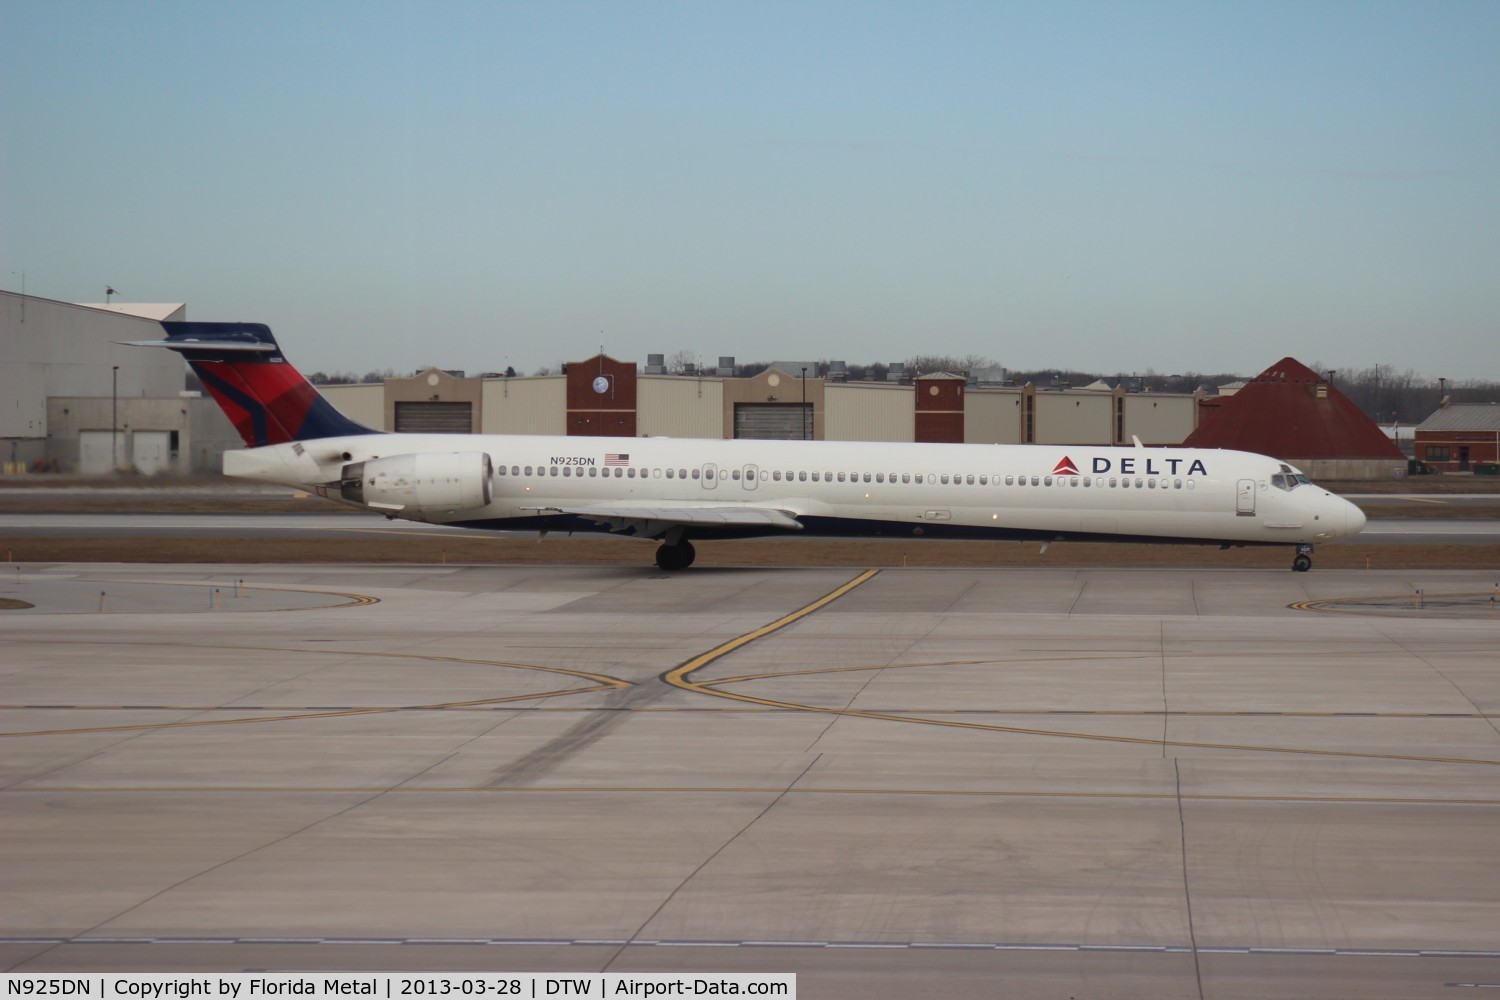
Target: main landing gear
[1303, 562]
[674, 557]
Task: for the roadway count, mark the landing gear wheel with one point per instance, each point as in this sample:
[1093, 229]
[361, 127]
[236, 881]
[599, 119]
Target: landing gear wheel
[675, 557]
[1302, 563]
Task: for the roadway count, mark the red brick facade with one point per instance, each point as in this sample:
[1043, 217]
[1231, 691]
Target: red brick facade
[1457, 451]
[601, 397]
[940, 409]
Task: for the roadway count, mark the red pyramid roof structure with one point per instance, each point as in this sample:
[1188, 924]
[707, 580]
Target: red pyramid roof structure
[1290, 411]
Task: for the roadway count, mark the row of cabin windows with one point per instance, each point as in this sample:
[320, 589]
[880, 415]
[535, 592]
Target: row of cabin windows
[907, 478]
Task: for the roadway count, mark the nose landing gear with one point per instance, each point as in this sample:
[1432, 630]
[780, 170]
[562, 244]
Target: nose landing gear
[1303, 562]
[674, 557]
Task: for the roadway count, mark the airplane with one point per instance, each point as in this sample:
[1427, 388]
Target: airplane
[676, 491]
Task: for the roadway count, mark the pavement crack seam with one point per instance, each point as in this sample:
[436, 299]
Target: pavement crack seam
[1450, 681]
[635, 935]
[210, 870]
[870, 680]
[1166, 712]
[1187, 892]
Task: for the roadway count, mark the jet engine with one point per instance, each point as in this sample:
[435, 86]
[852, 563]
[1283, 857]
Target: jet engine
[426, 482]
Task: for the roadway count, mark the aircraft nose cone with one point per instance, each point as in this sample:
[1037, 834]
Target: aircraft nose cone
[1354, 520]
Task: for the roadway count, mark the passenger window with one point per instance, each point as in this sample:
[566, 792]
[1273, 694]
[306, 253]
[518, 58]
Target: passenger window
[619, 472]
[906, 477]
[681, 473]
[1138, 484]
[669, 473]
[880, 477]
[841, 477]
[801, 477]
[945, 479]
[695, 473]
[1177, 484]
[1113, 483]
[817, 477]
[1047, 481]
[552, 470]
[735, 474]
[632, 473]
[1087, 482]
[776, 475]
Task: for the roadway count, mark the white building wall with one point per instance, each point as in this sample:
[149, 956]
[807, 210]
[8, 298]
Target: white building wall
[364, 402]
[50, 348]
[1074, 418]
[869, 411]
[992, 416]
[534, 405]
[1159, 419]
[77, 424]
[679, 407]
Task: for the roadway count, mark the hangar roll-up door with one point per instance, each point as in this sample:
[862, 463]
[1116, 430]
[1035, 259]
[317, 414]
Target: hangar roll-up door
[97, 455]
[435, 418]
[773, 421]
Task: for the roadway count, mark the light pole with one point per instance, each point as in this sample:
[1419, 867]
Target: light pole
[804, 402]
[114, 419]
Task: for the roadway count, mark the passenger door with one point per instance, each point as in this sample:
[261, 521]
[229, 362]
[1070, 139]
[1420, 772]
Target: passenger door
[1244, 498]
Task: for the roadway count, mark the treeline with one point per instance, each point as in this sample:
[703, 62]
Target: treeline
[1387, 395]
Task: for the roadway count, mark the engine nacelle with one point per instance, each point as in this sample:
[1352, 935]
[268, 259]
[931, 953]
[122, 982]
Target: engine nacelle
[427, 482]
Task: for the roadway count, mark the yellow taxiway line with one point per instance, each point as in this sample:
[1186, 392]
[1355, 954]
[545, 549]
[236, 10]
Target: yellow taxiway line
[681, 677]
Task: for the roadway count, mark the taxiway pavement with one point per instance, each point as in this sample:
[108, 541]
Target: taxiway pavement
[1119, 783]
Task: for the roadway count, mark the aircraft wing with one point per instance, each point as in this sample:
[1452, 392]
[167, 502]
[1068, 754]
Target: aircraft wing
[652, 521]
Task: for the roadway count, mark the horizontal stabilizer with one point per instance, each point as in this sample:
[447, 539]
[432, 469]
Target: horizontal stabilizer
[191, 344]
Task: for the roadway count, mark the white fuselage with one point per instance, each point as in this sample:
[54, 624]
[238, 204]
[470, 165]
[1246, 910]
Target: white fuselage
[851, 488]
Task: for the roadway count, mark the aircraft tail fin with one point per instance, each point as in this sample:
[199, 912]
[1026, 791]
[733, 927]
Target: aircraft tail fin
[262, 394]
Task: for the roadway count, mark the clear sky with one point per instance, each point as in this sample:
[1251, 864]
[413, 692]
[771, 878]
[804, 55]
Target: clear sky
[1201, 186]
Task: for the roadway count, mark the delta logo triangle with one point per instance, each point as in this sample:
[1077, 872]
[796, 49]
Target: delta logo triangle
[1065, 468]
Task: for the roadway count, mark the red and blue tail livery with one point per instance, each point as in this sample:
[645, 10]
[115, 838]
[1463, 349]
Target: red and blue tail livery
[265, 397]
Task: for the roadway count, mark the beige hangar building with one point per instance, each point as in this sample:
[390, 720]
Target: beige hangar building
[74, 399]
[603, 396]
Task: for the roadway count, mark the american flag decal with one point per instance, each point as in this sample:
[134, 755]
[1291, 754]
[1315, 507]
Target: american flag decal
[613, 459]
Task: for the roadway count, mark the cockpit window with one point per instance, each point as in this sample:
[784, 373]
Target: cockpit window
[1289, 480]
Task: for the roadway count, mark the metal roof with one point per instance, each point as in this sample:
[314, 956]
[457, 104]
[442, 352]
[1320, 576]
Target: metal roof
[1290, 411]
[1463, 418]
[145, 310]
